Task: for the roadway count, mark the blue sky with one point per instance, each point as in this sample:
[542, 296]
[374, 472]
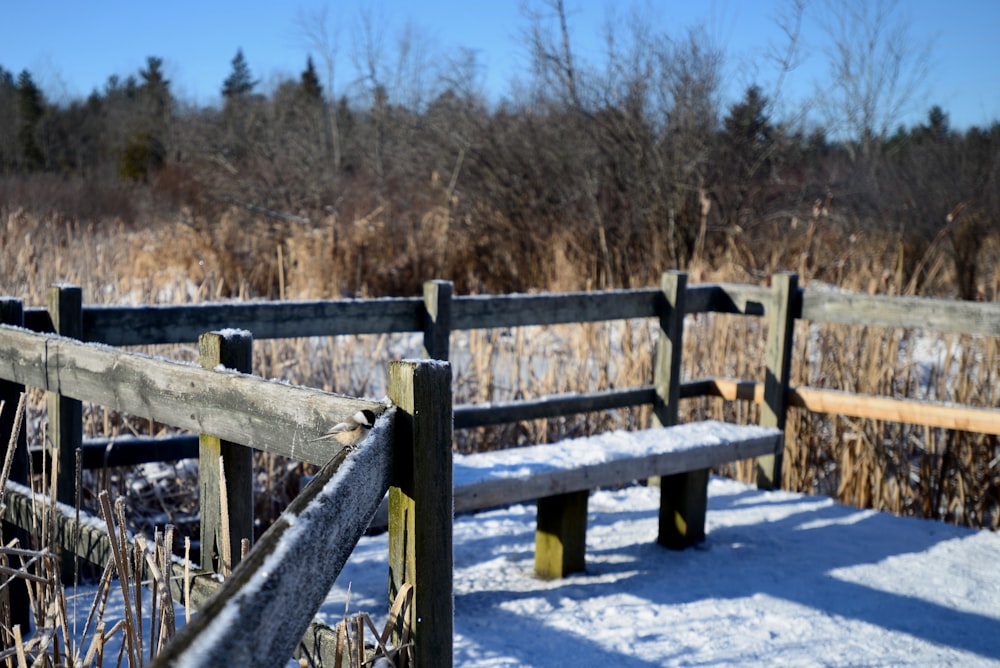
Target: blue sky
[72, 47]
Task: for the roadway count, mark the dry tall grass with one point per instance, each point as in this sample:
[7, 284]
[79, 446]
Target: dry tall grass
[905, 469]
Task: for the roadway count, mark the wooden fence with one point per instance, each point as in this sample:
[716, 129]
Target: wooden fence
[269, 421]
[298, 566]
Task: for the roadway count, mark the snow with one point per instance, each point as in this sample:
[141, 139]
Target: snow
[618, 445]
[290, 578]
[782, 579]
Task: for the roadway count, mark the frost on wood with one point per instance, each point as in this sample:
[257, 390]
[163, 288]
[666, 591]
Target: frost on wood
[604, 448]
[485, 480]
[262, 611]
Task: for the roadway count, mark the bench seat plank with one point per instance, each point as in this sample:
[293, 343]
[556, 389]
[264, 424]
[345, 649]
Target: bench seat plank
[489, 479]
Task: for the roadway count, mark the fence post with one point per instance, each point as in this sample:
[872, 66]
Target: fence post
[421, 504]
[437, 325]
[669, 348]
[12, 313]
[65, 414]
[233, 350]
[683, 496]
[780, 331]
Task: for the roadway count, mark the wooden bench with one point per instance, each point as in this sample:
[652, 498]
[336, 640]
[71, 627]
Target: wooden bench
[560, 476]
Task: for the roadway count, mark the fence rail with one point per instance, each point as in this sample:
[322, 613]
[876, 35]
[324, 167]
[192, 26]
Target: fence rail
[270, 416]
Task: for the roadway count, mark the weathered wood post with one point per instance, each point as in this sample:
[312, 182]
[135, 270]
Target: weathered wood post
[65, 415]
[684, 496]
[12, 313]
[421, 505]
[781, 313]
[233, 349]
[437, 325]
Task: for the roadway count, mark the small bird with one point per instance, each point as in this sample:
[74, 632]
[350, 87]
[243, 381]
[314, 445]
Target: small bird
[353, 429]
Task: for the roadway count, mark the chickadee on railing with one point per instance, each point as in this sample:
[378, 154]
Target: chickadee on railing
[352, 430]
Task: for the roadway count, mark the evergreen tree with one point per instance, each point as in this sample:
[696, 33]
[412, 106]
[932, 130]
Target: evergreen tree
[748, 131]
[8, 122]
[145, 149]
[240, 82]
[154, 91]
[31, 106]
[937, 124]
[311, 88]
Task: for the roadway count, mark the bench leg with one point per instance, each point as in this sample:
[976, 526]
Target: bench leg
[683, 500]
[561, 535]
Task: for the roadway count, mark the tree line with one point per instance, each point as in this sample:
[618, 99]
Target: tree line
[633, 159]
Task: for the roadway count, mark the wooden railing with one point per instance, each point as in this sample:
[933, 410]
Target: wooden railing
[437, 314]
[240, 412]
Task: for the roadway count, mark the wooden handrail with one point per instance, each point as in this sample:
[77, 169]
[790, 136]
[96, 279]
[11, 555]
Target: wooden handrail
[838, 402]
[292, 567]
[126, 325]
[276, 417]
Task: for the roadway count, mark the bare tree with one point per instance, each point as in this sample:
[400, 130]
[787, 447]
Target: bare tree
[877, 67]
[314, 28]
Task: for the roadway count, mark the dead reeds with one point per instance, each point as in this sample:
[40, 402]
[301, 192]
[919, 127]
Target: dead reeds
[911, 470]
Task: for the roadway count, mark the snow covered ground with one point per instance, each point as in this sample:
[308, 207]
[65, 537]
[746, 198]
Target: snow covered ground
[783, 579]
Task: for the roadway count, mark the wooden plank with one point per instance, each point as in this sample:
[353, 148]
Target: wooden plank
[420, 504]
[944, 315]
[487, 480]
[128, 325]
[869, 406]
[927, 413]
[129, 450]
[38, 320]
[561, 535]
[225, 468]
[519, 310]
[293, 566]
[266, 415]
[480, 415]
[780, 332]
[727, 298]
[437, 319]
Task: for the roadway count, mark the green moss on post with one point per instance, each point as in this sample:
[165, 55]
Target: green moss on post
[561, 536]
